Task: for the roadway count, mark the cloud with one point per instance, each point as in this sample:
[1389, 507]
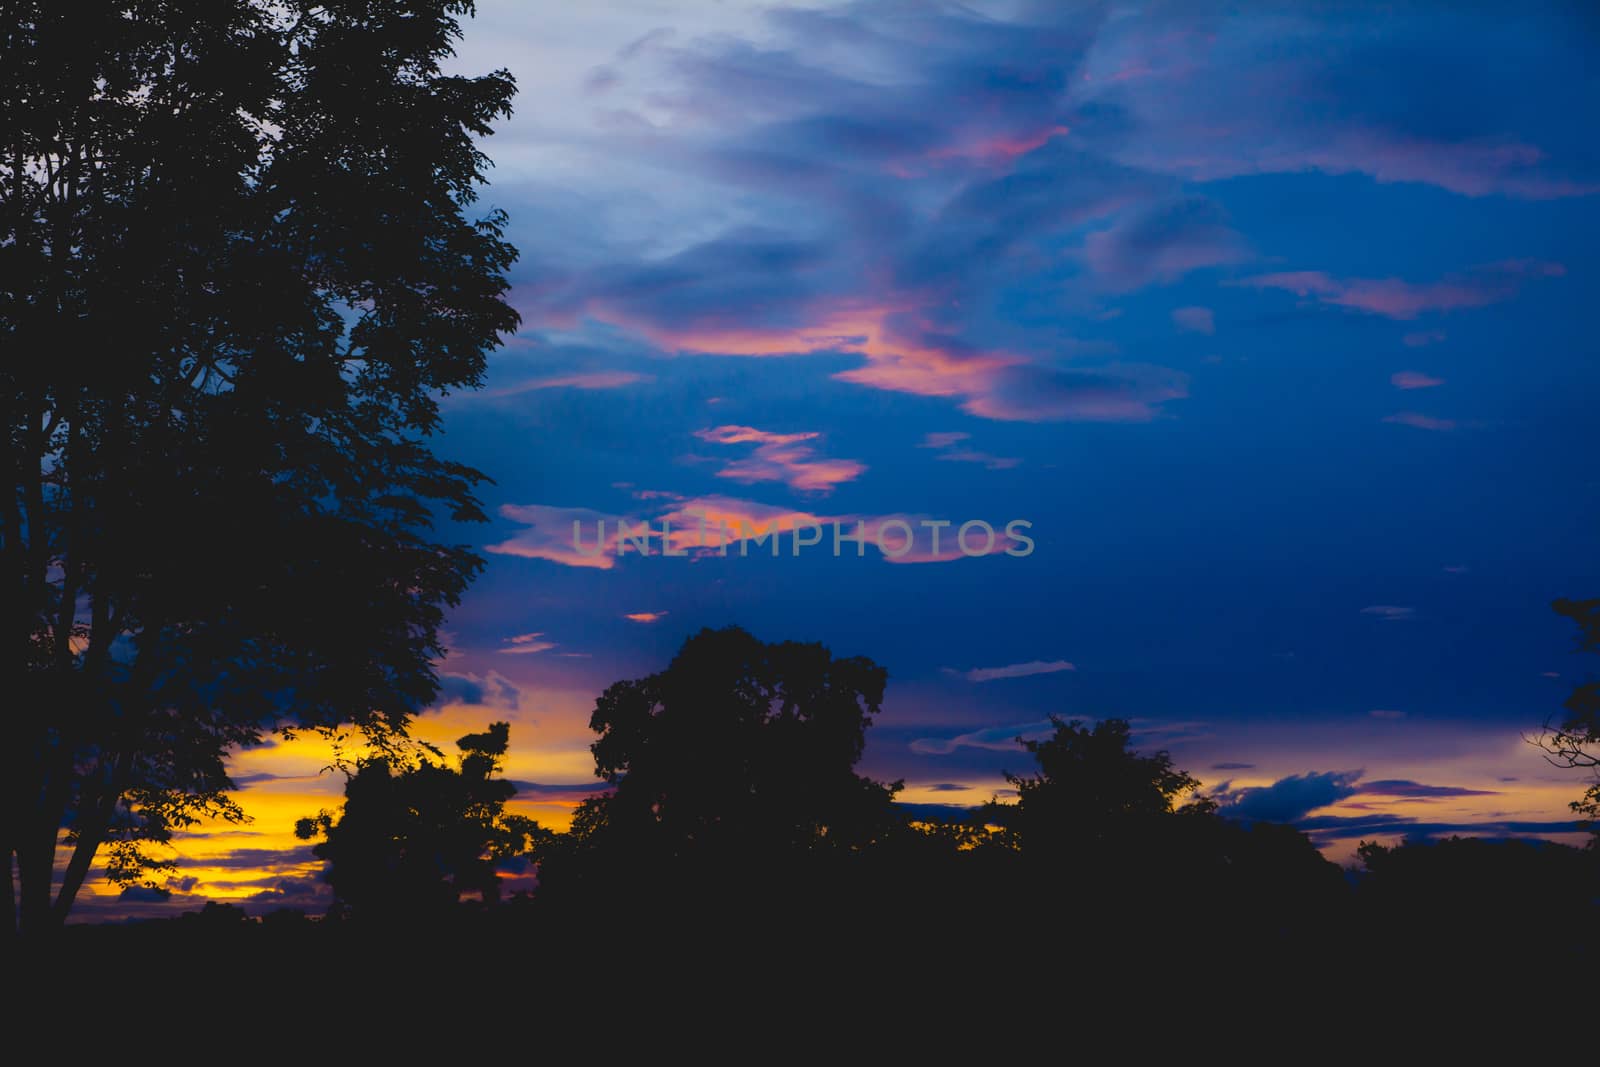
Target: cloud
[1410, 379]
[476, 690]
[945, 442]
[144, 894]
[1015, 670]
[1423, 338]
[557, 534]
[990, 462]
[1289, 799]
[1208, 95]
[646, 616]
[570, 793]
[527, 644]
[1420, 422]
[592, 380]
[1398, 299]
[1233, 766]
[1386, 713]
[722, 526]
[947, 787]
[1390, 612]
[993, 739]
[1400, 787]
[1195, 320]
[1162, 244]
[782, 457]
[294, 892]
[1326, 828]
[898, 227]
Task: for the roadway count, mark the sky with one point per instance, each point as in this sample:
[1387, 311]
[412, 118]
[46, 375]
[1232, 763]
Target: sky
[1271, 322]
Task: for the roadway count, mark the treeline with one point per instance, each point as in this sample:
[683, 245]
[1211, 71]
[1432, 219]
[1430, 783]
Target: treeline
[733, 821]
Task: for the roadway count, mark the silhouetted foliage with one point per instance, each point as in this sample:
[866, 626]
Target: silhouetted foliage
[410, 841]
[740, 859]
[1093, 788]
[738, 757]
[236, 274]
[1576, 741]
[1103, 826]
[1474, 898]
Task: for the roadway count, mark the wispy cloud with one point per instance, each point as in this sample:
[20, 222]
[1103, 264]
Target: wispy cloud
[1423, 338]
[1015, 670]
[946, 444]
[527, 644]
[1410, 379]
[1396, 298]
[1419, 421]
[594, 380]
[720, 525]
[782, 457]
[1390, 612]
[1195, 320]
[646, 616]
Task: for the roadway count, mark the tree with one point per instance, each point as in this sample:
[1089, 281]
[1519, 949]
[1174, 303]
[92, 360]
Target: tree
[1575, 742]
[1092, 788]
[412, 839]
[236, 274]
[738, 757]
[1126, 837]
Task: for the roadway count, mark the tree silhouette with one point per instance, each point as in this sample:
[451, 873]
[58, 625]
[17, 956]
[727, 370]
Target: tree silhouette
[738, 758]
[1093, 789]
[236, 274]
[410, 841]
[1127, 833]
[1576, 741]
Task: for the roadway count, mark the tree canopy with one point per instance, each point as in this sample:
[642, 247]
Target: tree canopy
[740, 754]
[1575, 742]
[413, 838]
[238, 268]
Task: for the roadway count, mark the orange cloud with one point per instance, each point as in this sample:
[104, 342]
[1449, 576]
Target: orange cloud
[526, 644]
[719, 525]
[782, 458]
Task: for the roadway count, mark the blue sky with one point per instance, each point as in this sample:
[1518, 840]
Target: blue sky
[1273, 320]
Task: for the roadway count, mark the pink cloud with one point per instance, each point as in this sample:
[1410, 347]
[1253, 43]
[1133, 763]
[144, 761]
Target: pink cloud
[1410, 379]
[999, 148]
[646, 616]
[1396, 298]
[550, 535]
[526, 644]
[903, 352]
[724, 526]
[782, 457]
[1421, 422]
[1195, 320]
